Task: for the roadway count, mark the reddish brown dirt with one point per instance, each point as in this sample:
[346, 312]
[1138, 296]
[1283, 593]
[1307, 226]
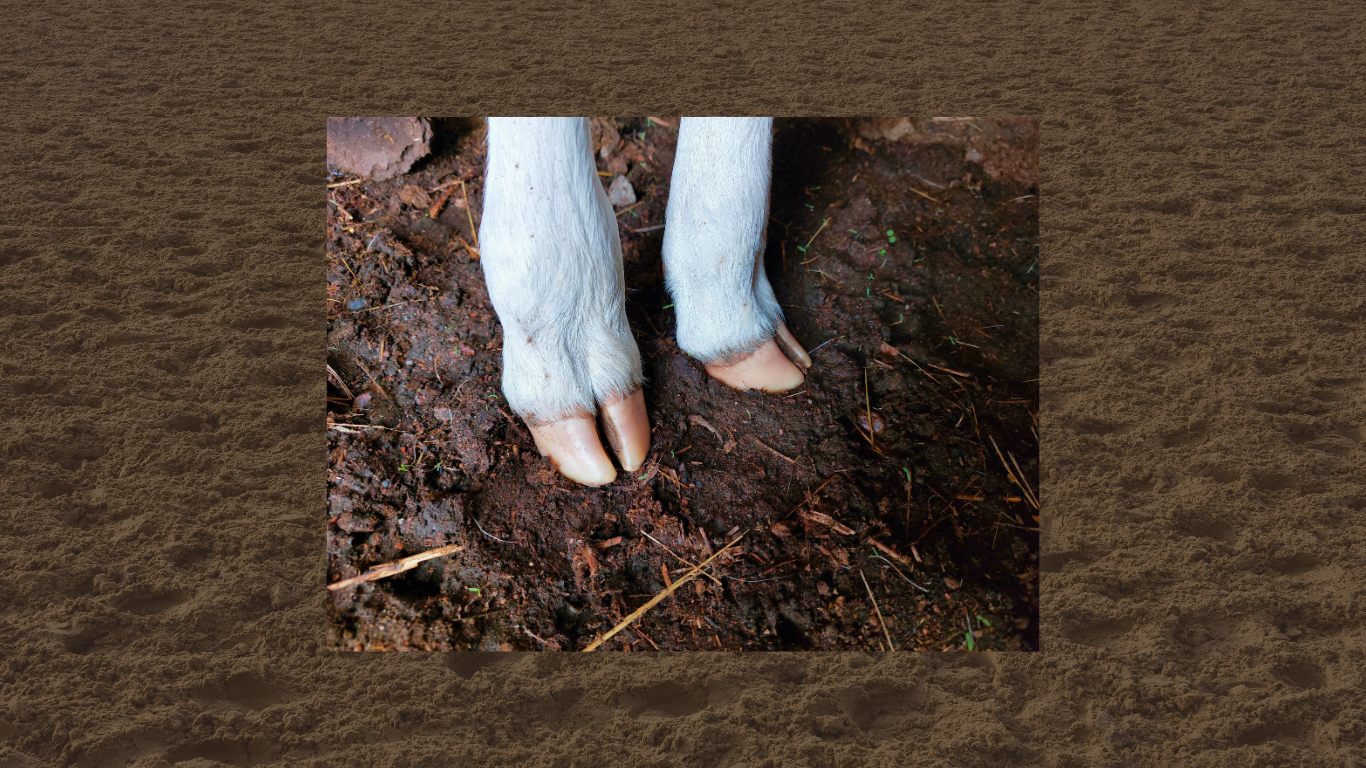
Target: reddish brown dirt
[908, 271]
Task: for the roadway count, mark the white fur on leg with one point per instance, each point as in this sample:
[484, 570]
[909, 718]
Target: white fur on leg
[552, 261]
[714, 238]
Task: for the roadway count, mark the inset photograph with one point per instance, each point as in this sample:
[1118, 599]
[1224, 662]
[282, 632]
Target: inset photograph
[683, 383]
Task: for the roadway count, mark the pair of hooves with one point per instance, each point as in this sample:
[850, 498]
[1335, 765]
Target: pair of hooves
[575, 449]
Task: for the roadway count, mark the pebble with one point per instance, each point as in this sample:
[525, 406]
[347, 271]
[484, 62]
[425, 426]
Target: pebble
[878, 423]
[620, 193]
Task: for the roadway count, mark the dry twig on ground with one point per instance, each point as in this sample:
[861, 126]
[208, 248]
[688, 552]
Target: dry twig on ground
[391, 569]
[657, 599]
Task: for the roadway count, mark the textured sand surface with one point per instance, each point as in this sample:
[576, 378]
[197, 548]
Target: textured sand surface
[1203, 427]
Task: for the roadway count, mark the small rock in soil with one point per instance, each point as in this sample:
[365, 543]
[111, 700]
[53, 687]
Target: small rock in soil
[376, 147]
[621, 193]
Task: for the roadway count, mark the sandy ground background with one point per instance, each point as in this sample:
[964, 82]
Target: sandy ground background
[1204, 393]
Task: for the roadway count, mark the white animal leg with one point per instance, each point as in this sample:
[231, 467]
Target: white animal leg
[552, 261]
[714, 240]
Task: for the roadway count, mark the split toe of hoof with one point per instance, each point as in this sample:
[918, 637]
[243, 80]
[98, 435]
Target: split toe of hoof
[574, 448]
[627, 428]
[766, 368]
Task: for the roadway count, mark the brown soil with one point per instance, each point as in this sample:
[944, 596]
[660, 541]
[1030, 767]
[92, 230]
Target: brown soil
[1203, 385]
[911, 275]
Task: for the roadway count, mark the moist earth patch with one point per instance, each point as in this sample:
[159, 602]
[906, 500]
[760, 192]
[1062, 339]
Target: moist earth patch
[892, 497]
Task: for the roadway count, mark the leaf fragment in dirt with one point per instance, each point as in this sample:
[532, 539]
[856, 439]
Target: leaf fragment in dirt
[892, 553]
[649, 473]
[606, 137]
[838, 554]
[415, 196]
[701, 422]
[829, 522]
[726, 445]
